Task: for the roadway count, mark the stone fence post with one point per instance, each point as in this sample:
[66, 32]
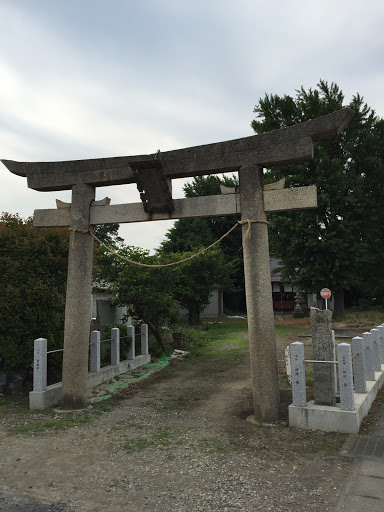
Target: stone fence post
[344, 357]
[144, 340]
[299, 393]
[358, 364]
[40, 365]
[368, 356]
[115, 346]
[95, 352]
[131, 334]
[381, 342]
[376, 350]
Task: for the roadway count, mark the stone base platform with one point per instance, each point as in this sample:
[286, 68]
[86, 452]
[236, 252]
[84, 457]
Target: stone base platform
[333, 419]
[44, 399]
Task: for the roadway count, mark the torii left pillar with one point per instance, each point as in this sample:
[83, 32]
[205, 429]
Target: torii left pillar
[77, 308]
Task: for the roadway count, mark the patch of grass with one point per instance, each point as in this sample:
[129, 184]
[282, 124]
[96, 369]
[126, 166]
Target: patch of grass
[159, 439]
[363, 318]
[41, 426]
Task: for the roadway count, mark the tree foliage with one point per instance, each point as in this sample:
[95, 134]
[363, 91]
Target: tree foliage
[33, 277]
[339, 244]
[147, 292]
[193, 234]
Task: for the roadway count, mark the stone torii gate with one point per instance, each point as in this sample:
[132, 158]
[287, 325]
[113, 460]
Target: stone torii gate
[153, 175]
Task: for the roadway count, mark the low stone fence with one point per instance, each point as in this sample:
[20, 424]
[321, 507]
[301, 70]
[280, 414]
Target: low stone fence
[360, 376]
[44, 396]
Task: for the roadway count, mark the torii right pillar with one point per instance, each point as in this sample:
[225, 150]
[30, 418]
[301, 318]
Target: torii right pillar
[258, 288]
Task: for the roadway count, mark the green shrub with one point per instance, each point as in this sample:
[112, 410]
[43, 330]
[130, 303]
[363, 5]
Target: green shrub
[33, 266]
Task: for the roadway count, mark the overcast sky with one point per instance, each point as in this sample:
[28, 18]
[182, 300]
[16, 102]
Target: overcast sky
[97, 78]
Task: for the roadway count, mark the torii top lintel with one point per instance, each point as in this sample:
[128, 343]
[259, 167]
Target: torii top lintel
[285, 146]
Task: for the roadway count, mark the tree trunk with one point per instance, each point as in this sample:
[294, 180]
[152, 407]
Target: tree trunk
[194, 315]
[154, 330]
[339, 309]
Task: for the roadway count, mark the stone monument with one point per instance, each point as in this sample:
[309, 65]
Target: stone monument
[322, 344]
[153, 175]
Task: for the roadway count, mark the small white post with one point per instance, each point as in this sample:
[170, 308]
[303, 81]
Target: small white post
[95, 352]
[358, 364]
[131, 334]
[368, 356]
[288, 364]
[144, 339]
[299, 392]
[344, 357]
[115, 346]
[376, 350]
[40, 365]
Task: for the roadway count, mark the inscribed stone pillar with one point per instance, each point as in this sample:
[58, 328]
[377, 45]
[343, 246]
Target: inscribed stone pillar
[77, 306]
[40, 365]
[323, 373]
[344, 356]
[261, 325]
[299, 391]
[376, 350]
[358, 364]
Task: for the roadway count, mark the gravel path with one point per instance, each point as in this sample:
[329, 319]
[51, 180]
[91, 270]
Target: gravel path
[178, 444]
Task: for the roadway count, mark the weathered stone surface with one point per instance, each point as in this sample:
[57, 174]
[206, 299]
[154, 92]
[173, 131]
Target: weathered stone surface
[40, 365]
[381, 342]
[358, 364]
[95, 352]
[299, 393]
[77, 307]
[261, 325]
[344, 357]
[132, 347]
[376, 350]
[144, 339]
[323, 373]
[368, 356]
[189, 207]
[288, 145]
[115, 346]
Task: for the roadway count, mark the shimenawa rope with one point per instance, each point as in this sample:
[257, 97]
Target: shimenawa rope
[239, 223]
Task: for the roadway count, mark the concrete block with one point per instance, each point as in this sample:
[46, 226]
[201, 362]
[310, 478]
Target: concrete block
[334, 419]
[52, 395]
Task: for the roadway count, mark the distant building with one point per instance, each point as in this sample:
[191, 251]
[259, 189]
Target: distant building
[283, 293]
[104, 312]
[214, 309]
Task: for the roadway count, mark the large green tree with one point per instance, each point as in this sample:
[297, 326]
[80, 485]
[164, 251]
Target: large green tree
[340, 244]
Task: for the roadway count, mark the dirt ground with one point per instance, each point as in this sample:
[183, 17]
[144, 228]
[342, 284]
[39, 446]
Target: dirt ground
[179, 443]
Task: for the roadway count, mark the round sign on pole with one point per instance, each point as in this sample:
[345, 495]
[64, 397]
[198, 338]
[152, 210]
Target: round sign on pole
[326, 293]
